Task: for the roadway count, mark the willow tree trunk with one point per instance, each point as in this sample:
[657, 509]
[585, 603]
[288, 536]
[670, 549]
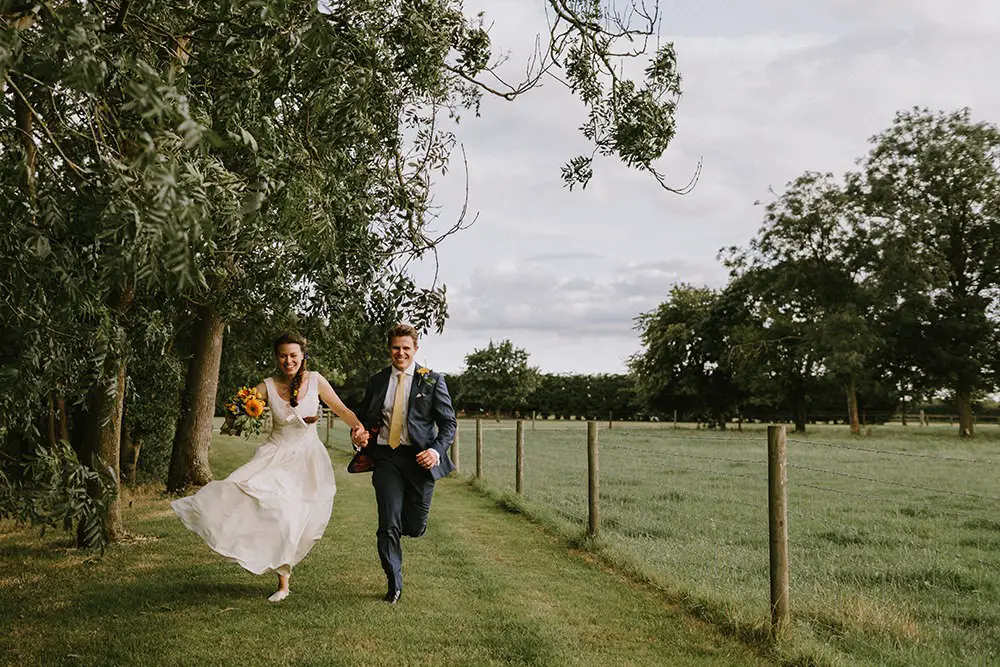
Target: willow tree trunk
[193, 438]
[103, 447]
[852, 407]
[966, 425]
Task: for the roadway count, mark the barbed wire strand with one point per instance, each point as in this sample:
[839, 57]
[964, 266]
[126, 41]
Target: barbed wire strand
[719, 472]
[891, 483]
[868, 497]
[728, 501]
[685, 456]
[954, 459]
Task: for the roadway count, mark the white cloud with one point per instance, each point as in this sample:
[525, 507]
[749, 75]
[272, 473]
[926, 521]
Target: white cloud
[772, 88]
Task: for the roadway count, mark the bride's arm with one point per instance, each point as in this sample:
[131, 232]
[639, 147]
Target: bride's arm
[329, 396]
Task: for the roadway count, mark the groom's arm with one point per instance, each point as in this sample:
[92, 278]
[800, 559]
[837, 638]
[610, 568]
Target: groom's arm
[444, 417]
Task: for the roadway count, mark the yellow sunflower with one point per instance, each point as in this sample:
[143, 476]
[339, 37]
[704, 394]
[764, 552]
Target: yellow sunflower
[254, 407]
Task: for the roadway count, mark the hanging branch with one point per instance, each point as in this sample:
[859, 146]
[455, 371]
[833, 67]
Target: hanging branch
[20, 94]
[633, 121]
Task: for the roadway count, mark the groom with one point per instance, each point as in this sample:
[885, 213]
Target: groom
[409, 413]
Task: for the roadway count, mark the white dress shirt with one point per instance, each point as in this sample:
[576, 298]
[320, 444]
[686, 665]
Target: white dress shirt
[390, 394]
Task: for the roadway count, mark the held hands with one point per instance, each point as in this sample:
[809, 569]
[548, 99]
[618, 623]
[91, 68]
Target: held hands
[428, 458]
[359, 436]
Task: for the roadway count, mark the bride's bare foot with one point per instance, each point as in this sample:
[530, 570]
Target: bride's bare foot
[282, 591]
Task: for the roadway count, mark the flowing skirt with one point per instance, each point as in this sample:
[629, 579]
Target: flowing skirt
[268, 513]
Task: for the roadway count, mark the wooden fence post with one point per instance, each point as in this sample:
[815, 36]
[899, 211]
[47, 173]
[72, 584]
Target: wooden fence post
[479, 447]
[534, 413]
[593, 481]
[454, 449]
[923, 418]
[777, 509]
[611, 419]
[519, 458]
[329, 419]
[675, 419]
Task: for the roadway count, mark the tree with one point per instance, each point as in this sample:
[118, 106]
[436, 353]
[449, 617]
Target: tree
[808, 270]
[932, 187]
[498, 376]
[685, 365]
[590, 396]
[611, 394]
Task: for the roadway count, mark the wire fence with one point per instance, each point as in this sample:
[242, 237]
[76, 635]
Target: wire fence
[902, 523]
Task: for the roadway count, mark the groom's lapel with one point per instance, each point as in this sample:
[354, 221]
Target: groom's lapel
[417, 384]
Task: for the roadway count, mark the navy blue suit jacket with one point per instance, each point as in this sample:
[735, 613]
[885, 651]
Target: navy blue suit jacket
[430, 417]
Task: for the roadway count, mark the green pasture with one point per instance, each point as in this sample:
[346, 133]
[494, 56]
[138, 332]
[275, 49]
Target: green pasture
[894, 538]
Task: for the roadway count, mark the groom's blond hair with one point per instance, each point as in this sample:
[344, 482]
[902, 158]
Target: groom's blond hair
[402, 331]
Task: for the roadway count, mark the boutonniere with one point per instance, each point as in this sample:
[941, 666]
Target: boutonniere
[424, 372]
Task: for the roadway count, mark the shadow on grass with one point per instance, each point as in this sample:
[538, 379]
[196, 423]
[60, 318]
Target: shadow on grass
[12, 551]
[168, 588]
[163, 588]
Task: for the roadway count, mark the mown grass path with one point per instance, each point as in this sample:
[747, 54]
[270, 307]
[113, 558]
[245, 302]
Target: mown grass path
[484, 587]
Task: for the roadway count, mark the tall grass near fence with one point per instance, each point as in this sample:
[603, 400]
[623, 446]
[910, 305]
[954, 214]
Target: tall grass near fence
[894, 539]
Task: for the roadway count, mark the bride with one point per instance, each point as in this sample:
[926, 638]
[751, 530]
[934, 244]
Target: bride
[269, 513]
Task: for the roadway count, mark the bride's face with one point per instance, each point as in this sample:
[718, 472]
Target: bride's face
[289, 357]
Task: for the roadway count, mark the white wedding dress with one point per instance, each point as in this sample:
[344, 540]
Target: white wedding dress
[269, 513]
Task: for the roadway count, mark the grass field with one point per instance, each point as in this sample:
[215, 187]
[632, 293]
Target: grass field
[484, 588]
[894, 538]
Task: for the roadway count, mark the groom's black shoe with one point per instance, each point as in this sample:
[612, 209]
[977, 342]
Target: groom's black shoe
[392, 596]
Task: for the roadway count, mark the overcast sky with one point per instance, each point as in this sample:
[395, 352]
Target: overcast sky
[772, 88]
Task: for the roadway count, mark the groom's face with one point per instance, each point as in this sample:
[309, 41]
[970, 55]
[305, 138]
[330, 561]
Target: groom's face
[402, 349]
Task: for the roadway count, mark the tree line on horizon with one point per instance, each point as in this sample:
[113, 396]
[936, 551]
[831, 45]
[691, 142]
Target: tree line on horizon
[874, 292]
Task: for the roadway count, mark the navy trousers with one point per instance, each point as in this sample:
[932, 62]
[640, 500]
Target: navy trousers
[403, 490]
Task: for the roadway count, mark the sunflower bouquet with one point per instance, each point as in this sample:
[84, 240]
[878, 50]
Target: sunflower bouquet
[244, 413]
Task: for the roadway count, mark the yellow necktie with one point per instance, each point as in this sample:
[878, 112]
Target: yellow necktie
[396, 423]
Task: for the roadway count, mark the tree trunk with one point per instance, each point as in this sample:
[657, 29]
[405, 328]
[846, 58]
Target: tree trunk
[103, 445]
[852, 407]
[189, 458]
[966, 425]
[52, 422]
[134, 466]
[800, 416]
[63, 432]
[902, 413]
[102, 432]
[130, 453]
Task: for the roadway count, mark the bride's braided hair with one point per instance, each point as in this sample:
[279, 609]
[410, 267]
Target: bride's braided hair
[289, 338]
